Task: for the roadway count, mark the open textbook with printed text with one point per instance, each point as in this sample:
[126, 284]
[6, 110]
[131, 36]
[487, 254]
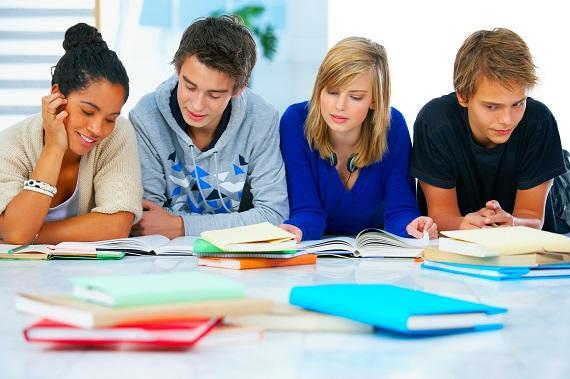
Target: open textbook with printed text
[144, 245]
[370, 243]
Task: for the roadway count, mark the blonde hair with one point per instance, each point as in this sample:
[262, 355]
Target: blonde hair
[344, 61]
[498, 55]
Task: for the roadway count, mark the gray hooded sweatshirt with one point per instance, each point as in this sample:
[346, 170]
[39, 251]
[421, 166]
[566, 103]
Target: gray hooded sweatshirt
[239, 181]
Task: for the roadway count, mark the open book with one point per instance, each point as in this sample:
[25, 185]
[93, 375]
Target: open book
[45, 252]
[370, 243]
[143, 245]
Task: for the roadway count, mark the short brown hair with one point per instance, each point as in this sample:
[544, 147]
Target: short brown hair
[498, 55]
[222, 43]
[344, 61]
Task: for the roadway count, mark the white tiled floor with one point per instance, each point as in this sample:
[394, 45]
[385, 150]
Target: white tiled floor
[534, 343]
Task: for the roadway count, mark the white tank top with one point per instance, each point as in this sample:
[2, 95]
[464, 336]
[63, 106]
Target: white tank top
[68, 208]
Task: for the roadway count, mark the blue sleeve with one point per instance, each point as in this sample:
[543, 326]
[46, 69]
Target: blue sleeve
[399, 195]
[306, 211]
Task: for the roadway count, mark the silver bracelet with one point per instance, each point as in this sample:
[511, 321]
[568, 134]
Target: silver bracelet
[40, 187]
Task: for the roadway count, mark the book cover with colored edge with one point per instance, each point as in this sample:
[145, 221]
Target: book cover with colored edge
[396, 308]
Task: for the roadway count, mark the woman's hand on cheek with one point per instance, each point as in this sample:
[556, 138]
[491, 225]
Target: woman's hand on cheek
[55, 134]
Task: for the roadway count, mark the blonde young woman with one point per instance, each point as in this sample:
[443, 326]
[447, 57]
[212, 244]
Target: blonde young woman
[347, 152]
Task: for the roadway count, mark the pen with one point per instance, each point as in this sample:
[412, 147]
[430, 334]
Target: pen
[16, 249]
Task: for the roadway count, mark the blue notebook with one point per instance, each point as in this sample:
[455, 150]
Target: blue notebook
[398, 309]
[503, 273]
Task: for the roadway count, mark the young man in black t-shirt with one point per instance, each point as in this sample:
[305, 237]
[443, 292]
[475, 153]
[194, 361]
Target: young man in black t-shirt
[486, 154]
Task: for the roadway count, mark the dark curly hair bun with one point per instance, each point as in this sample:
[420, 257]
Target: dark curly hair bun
[82, 35]
[87, 59]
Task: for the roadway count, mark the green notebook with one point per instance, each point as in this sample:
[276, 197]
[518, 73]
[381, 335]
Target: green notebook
[203, 248]
[156, 288]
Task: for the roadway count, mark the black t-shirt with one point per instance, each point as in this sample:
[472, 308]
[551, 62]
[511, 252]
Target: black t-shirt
[445, 155]
[177, 114]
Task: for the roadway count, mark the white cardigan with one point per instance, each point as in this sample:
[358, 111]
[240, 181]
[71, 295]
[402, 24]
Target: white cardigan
[109, 174]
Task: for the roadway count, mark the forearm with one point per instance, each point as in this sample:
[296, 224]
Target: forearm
[447, 221]
[25, 214]
[195, 224]
[88, 227]
[527, 219]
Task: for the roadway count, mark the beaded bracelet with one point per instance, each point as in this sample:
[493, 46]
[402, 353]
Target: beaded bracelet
[40, 187]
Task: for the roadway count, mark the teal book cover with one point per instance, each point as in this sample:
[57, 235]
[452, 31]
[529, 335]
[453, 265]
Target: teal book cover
[156, 288]
[397, 309]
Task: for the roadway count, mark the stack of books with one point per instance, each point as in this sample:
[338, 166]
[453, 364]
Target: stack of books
[501, 253]
[164, 310]
[254, 246]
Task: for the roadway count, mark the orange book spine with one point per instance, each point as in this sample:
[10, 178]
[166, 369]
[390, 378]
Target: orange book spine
[249, 263]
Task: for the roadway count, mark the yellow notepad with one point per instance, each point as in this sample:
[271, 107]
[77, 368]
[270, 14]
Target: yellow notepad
[257, 237]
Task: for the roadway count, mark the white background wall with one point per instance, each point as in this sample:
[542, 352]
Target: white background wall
[146, 51]
[422, 38]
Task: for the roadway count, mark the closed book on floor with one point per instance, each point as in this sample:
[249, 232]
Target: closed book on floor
[523, 260]
[250, 263]
[289, 318]
[258, 237]
[184, 333]
[69, 310]
[229, 334]
[155, 288]
[503, 273]
[489, 242]
[396, 308]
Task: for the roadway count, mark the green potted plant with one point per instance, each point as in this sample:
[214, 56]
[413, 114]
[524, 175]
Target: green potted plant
[265, 35]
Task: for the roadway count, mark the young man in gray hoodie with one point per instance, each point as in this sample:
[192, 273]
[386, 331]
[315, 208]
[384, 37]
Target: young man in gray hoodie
[209, 147]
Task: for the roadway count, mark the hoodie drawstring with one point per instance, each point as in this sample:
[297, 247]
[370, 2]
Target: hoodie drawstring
[218, 182]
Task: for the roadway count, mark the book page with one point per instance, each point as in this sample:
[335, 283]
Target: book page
[178, 246]
[141, 243]
[338, 244]
[379, 237]
[15, 249]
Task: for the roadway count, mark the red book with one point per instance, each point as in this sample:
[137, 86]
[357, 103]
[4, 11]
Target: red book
[177, 334]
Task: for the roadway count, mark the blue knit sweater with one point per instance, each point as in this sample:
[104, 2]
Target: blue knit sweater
[382, 197]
